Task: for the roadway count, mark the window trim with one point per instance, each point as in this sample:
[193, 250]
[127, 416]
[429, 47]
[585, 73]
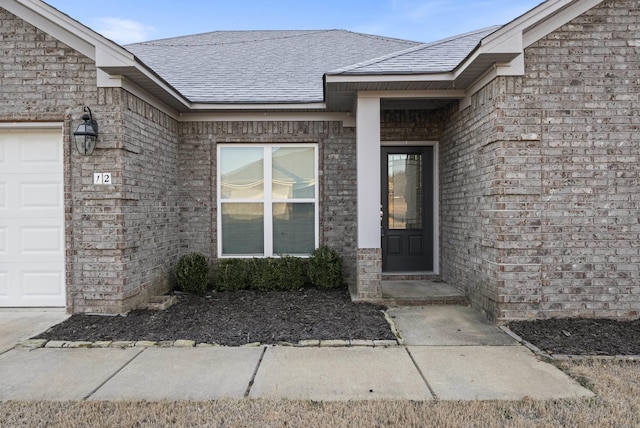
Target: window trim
[267, 201]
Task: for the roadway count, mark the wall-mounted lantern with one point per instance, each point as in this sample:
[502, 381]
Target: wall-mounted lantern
[87, 134]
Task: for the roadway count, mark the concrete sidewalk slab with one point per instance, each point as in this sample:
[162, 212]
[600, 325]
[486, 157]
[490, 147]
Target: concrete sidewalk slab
[446, 325]
[337, 374]
[492, 373]
[17, 325]
[58, 374]
[184, 374]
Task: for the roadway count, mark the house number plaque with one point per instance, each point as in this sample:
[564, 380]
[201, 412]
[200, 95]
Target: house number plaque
[102, 178]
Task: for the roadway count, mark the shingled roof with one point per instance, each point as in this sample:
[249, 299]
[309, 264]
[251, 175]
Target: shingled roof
[259, 66]
[437, 57]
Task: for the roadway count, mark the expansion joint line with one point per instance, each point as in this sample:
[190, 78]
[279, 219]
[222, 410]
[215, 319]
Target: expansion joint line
[113, 375]
[255, 373]
[424, 379]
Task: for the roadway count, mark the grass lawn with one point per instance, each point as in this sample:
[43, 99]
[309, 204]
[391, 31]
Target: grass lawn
[617, 404]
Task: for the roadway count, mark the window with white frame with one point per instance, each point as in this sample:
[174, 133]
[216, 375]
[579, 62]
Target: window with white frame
[267, 200]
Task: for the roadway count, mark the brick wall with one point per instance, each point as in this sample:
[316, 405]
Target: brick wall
[469, 191]
[126, 238]
[35, 90]
[336, 146]
[122, 239]
[581, 94]
[540, 206]
[410, 125]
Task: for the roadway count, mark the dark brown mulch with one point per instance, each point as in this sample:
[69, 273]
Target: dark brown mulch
[581, 336]
[237, 318]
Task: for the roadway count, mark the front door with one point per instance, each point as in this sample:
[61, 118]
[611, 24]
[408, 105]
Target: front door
[407, 209]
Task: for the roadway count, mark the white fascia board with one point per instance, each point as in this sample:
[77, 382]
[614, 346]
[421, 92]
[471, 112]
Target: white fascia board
[52, 22]
[261, 107]
[552, 23]
[105, 53]
[520, 24]
[447, 93]
[526, 30]
[106, 80]
[376, 78]
[511, 38]
[70, 32]
[537, 23]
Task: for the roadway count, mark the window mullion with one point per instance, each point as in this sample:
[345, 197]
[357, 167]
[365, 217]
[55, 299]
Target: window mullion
[268, 203]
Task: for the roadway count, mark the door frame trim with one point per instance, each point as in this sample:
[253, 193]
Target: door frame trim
[436, 192]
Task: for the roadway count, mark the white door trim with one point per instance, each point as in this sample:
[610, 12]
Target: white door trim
[436, 192]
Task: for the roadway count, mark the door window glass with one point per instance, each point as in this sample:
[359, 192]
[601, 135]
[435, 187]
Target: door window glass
[405, 191]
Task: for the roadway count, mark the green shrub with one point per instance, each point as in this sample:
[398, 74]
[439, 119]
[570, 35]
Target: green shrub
[325, 268]
[192, 273]
[277, 274]
[232, 275]
[293, 273]
[263, 274]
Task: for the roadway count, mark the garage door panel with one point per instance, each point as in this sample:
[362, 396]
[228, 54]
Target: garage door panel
[31, 152]
[32, 250]
[41, 282]
[22, 195]
[40, 197]
[38, 152]
[4, 285]
[29, 286]
[4, 196]
[4, 241]
[34, 241]
[41, 241]
[4, 157]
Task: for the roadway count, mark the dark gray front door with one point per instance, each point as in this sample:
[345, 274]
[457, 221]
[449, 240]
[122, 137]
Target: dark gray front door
[407, 209]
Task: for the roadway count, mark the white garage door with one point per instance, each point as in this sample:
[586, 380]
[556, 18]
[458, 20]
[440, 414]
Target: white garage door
[31, 218]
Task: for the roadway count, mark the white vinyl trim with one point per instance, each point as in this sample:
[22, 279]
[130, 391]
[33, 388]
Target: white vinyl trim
[31, 125]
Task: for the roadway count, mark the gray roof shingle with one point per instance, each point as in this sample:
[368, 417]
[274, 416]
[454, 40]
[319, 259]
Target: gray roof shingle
[437, 57]
[259, 66]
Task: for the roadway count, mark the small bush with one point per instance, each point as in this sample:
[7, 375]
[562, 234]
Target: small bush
[232, 275]
[325, 268]
[263, 274]
[277, 274]
[192, 273]
[293, 273]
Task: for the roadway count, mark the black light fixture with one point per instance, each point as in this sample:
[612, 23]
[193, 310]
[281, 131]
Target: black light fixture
[87, 134]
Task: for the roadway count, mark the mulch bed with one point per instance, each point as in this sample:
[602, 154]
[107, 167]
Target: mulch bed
[241, 317]
[581, 336]
[237, 318]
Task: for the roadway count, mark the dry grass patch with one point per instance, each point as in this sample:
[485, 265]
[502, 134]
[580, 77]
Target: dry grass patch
[617, 385]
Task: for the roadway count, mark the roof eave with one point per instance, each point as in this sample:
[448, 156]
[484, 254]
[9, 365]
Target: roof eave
[503, 50]
[231, 107]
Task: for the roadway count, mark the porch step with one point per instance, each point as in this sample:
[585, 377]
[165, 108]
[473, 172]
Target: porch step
[421, 293]
[411, 276]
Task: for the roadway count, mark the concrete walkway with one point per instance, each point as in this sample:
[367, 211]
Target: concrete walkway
[447, 353]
